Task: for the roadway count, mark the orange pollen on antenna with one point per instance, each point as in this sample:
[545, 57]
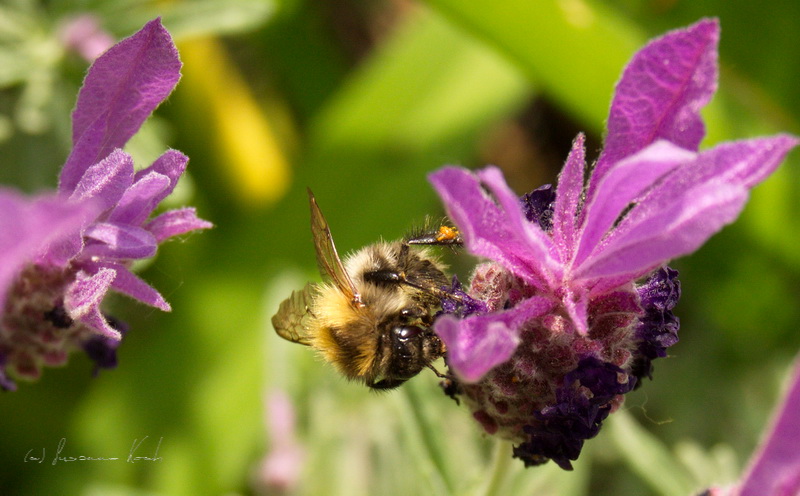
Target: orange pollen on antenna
[446, 233]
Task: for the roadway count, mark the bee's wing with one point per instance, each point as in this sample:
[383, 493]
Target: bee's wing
[328, 259]
[291, 321]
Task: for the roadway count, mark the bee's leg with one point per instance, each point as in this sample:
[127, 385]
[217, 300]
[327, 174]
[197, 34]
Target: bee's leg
[385, 276]
[452, 388]
[449, 384]
[445, 235]
[438, 374]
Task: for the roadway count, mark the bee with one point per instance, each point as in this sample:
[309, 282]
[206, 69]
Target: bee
[372, 317]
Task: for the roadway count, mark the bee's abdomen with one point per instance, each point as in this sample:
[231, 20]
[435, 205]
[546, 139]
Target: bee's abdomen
[344, 335]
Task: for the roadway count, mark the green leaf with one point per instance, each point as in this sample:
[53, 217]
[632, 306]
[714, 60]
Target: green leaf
[648, 457]
[388, 103]
[217, 17]
[189, 18]
[573, 49]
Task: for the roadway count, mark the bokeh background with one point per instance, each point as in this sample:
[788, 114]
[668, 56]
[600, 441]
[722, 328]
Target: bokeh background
[359, 100]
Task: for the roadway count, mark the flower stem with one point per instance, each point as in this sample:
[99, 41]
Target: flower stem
[418, 425]
[498, 472]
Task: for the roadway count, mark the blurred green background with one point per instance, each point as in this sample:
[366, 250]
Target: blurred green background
[359, 100]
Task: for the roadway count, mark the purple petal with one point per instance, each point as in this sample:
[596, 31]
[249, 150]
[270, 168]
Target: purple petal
[31, 227]
[539, 244]
[119, 241]
[667, 233]
[176, 222]
[478, 343]
[106, 180]
[623, 183]
[121, 89]
[604, 285]
[95, 319]
[487, 229]
[775, 468]
[738, 163]
[131, 285]
[140, 200]
[172, 164]
[745, 162]
[60, 253]
[86, 292]
[685, 200]
[126, 282]
[577, 306]
[661, 93]
[568, 197]
[83, 155]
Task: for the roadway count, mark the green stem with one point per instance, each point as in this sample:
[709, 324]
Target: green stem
[422, 429]
[498, 471]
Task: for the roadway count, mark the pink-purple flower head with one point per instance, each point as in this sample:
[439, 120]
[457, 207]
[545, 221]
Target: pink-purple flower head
[568, 329]
[63, 252]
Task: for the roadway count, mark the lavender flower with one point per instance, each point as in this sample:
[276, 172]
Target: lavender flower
[63, 252]
[85, 35]
[280, 470]
[774, 468]
[568, 329]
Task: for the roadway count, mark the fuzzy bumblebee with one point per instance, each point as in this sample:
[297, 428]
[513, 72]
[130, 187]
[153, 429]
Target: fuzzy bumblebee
[372, 317]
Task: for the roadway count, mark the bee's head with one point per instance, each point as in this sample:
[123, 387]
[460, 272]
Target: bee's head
[412, 343]
[408, 346]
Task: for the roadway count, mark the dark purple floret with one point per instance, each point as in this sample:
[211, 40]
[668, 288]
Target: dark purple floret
[461, 305]
[602, 378]
[538, 206]
[560, 449]
[58, 317]
[582, 403]
[658, 327]
[662, 290]
[102, 350]
[6, 384]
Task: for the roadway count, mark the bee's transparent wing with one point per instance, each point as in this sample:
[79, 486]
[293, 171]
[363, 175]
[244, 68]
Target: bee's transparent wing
[291, 321]
[328, 259]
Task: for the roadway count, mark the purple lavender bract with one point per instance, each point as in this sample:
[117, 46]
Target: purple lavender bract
[568, 329]
[64, 252]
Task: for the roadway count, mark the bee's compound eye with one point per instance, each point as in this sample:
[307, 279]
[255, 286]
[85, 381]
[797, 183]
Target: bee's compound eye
[407, 332]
